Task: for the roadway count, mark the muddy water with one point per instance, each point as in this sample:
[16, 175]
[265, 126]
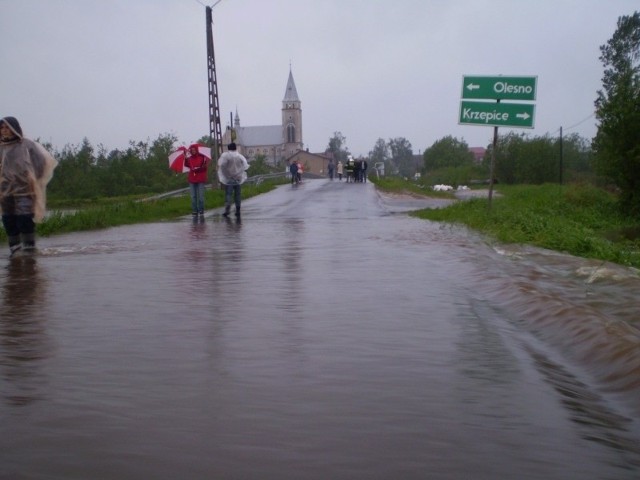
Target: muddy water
[327, 335]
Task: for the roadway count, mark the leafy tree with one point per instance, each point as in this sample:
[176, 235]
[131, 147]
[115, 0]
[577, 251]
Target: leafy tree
[537, 160]
[617, 142]
[523, 160]
[450, 161]
[447, 152]
[577, 158]
[75, 176]
[140, 169]
[260, 166]
[380, 153]
[402, 156]
[159, 175]
[337, 146]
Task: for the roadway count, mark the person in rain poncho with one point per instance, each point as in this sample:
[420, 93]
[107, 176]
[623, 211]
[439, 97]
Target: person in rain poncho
[25, 169]
[232, 174]
[197, 164]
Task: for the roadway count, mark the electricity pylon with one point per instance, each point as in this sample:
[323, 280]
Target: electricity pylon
[215, 130]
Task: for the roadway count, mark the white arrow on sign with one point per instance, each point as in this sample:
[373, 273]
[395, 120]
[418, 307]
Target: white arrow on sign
[523, 116]
[472, 87]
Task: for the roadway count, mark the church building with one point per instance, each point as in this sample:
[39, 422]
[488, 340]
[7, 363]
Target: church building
[275, 142]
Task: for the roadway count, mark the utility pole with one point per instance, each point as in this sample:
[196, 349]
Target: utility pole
[493, 161]
[215, 130]
[561, 155]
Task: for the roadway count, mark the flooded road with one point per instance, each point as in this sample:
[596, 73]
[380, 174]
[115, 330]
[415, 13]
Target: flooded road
[326, 336]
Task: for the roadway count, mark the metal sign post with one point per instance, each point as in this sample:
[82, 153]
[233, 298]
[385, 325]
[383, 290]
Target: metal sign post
[513, 114]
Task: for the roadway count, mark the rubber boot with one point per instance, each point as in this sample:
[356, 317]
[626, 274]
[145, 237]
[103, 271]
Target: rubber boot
[29, 241]
[227, 209]
[14, 244]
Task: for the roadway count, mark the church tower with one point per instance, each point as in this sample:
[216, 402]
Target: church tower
[291, 119]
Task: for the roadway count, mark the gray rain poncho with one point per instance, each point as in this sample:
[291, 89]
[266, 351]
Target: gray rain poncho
[231, 168]
[25, 168]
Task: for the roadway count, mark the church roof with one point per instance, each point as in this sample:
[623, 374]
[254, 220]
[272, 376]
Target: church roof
[258, 136]
[291, 94]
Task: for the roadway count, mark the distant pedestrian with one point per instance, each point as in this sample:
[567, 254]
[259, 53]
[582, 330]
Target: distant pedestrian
[232, 173]
[363, 172]
[300, 171]
[340, 170]
[293, 171]
[198, 165]
[330, 169]
[350, 167]
[25, 169]
[357, 170]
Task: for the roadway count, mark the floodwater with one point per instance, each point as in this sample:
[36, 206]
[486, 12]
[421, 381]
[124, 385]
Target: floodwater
[327, 336]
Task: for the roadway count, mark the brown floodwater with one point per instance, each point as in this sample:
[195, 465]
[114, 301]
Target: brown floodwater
[326, 336]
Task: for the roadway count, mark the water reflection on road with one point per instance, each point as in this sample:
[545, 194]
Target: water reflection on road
[327, 335]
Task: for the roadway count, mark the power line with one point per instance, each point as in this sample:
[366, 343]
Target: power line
[580, 122]
[574, 125]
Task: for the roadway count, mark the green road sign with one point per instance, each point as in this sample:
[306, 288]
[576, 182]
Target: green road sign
[499, 88]
[497, 114]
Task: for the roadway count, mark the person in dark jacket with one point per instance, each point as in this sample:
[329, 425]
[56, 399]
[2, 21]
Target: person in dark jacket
[293, 170]
[25, 169]
[357, 169]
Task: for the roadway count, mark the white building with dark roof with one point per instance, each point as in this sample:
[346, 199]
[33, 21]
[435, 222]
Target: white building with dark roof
[275, 142]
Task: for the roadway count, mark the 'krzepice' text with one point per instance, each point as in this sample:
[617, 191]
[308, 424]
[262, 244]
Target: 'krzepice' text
[486, 117]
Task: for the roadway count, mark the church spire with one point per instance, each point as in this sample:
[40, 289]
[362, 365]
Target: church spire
[291, 94]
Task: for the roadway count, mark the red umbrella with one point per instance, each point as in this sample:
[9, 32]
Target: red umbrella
[176, 160]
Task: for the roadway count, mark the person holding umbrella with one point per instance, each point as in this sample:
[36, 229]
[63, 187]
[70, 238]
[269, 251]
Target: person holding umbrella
[232, 174]
[197, 164]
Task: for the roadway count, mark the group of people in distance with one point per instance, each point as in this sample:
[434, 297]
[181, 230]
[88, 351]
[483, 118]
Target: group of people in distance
[355, 170]
[295, 170]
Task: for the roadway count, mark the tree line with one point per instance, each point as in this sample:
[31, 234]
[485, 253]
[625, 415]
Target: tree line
[518, 159]
[85, 173]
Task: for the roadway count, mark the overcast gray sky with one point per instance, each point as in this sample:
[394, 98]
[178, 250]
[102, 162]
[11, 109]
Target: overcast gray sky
[119, 70]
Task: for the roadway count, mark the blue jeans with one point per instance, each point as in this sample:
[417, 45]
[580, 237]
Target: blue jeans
[197, 197]
[234, 191]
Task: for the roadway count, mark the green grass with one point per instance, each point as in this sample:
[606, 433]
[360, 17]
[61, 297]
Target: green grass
[580, 220]
[399, 185]
[126, 211]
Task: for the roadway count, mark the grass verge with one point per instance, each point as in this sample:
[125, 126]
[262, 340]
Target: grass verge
[111, 213]
[399, 185]
[581, 220]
